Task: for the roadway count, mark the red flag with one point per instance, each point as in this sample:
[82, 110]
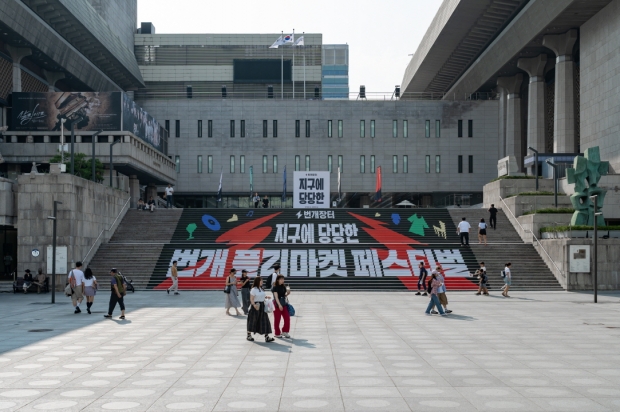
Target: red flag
[378, 185]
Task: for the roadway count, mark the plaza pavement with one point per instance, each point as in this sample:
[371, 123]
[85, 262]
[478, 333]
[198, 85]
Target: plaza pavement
[350, 351]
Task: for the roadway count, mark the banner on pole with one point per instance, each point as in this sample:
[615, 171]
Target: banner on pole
[311, 190]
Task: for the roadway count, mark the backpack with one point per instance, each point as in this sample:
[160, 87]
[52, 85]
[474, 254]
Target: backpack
[429, 287]
[503, 274]
[120, 284]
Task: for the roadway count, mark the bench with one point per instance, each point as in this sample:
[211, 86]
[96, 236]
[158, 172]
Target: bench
[18, 286]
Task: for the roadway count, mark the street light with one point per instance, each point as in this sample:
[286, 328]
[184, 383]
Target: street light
[72, 148]
[56, 203]
[535, 164]
[555, 180]
[594, 198]
[62, 140]
[111, 163]
[93, 155]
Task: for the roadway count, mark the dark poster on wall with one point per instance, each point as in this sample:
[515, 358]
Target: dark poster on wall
[137, 121]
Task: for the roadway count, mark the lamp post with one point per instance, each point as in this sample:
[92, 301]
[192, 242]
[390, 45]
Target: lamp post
[535, 164]
[555, 180]
[111, 163]
[53, 218]
[62, 140]
[594, 199]
[92, 161]
[72, 148]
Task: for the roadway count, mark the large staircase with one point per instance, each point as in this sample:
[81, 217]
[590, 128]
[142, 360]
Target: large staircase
[529, 271]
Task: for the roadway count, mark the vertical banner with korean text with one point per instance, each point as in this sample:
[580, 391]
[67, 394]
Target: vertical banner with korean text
[311, 190]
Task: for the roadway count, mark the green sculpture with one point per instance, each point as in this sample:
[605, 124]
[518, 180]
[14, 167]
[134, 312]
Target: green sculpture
[190, 229]
[585, 174]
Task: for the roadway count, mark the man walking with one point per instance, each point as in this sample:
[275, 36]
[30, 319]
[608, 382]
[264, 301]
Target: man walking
[175, 279]
[271, 280]
[493, 217]
[422, 279]
[169, 195]
[117, 287]
[463, 231]
[76, 279]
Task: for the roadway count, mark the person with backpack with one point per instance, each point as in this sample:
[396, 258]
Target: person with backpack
[271, 279]
[483, 280]
[422, 278]
[433, 286]
[117, 287]
[507, 280]
[76, 282]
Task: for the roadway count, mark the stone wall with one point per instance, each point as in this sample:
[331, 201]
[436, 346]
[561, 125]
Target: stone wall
[507, 187]
[7, 202]
[534, 222]
[87, 208]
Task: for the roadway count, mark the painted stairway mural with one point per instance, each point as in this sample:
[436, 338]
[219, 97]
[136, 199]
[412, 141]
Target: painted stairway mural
[317, 249]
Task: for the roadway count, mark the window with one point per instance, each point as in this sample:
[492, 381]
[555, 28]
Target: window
[372, 164]
[199, 128]
[167, 122]
[394, 128]
[297, 163]
[243, 128]
[232, 128]
[340, 126]
[427, 164]
[460, 128]
[209, 164]
[177, 162]
[470, 165]
[405, 164]
[232, 164]
[264, 163]
[437, 128]
[470, 128]
[362, 164]
[307, 163]
[372, 128]
[405, 129]
[340, 163]
[275, 164]
[177, 128]
[437, 164]
[264, 128]
[329, 128]
[362, 128]
[242, 163]
[394, 164]
[199, 167]
[275, 128]
[297, 128]
[307, 128]
[329, 163]
[427, 128]
[460, 164]
[210, 128]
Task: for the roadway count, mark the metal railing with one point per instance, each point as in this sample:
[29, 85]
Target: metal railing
[533, 235]
[97, 241]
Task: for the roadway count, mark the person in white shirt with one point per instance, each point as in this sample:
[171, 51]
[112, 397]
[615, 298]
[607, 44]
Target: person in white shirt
[507, 280]
[482, 232]
[463, 231]
[258, 320]
[76, 280]
[169, 194]
[272, 278]
[90, 288]
[256, 199]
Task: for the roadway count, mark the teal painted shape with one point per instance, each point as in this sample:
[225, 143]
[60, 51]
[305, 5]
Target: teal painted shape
[190, 229]
[418, 224]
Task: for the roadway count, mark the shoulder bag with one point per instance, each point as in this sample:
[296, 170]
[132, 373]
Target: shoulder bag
[68, 289]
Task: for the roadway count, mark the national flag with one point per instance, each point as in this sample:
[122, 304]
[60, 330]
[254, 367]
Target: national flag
[281, 41]
[378, 195]
[284, 186]
[251, 181]
[288, 39]
[339, 186]
[219, 190]
[300, 41]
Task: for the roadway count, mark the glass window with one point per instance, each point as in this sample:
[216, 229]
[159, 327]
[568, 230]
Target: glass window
[427, 128]
[460, 128]
[372, 164]
[167, 123]
[405, 129]
[340, 163]
[372, 128]
[264, 128]
[460, 164]
[470, 128]
[362, 164]
[340, 127]
[329, 128]
[329, 163]
[264, 163]
[394, 164]
[232, 164]
[307, 163]
[297, 160]
[362, 128]
[307, 128]
[177, 128]
[242, 163]
[177, 162]
[394, 128]
[275, 164]
[209, 164]
[427, 165]
[210, 128]
[243, 128]
[199, 128]
[437, 164]
[437, 128]
[405, 164]
[471, 164]
[275, 128]
[297, 128]
[199, 168]
[232, 128]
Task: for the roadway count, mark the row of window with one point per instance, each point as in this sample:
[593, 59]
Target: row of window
[340, 131]
[372, 168]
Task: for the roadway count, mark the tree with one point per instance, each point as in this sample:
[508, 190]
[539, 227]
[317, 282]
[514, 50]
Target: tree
[82, 166]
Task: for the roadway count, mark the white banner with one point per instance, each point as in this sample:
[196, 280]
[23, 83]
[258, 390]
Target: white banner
[311, 190]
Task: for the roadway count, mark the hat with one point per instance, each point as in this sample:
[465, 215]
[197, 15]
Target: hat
[27, 270]
[114, 270]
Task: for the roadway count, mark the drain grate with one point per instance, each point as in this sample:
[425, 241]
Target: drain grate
[40, 330]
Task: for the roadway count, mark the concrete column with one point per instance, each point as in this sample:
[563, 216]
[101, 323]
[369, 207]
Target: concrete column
[535, 68]
[17, 54]
[564, 106]
[151, 190]
[512, 85]
[134, 190]
[52, 78]
[502, 122]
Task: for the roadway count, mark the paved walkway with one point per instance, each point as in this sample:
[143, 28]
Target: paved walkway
[350, 351]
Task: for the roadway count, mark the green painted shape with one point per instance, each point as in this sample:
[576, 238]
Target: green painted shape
[190, 229]
[418, 224]
[585, 175]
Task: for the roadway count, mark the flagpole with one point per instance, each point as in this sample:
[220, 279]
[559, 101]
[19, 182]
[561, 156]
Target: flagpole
[293, 68]
[282, 72]
[304, 49]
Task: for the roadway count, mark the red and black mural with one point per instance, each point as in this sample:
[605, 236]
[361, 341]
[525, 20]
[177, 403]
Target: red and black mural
[335, 248]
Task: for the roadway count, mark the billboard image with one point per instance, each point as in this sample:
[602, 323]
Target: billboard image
[89, 111]
[261, 71]
[137, 121]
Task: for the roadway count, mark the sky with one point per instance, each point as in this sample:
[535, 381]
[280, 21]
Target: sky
[380, 34]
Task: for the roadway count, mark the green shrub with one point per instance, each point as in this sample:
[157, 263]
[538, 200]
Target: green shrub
[512, 177]
[551, 210]
[568, 228]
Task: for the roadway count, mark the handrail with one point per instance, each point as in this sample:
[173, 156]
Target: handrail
[525, 231]
[104, 230]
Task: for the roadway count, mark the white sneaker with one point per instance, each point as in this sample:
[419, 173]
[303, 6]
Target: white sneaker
[286, 335]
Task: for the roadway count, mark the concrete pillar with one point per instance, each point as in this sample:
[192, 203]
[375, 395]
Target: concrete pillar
[502, 122]
[512, 85]
[52, 78]
[151, 190]
[17, 54]
[564, 105]
[535, 68]
[134, 190]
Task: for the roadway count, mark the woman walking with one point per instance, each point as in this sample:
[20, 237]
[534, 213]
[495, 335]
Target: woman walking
[435, 284]
[232, 300]
[258, 320]
[280, 292]
[507, 280]
[482, 232]
[90, 288]
[246, 285]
